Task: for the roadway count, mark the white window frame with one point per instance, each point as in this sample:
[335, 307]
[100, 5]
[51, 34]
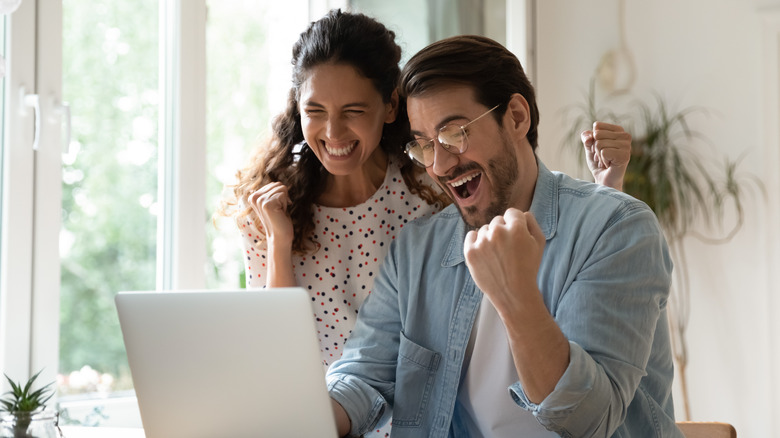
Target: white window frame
[181, 255]
[29, 303]
[521, 33]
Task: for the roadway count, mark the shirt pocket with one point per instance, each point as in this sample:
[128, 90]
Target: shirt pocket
[415, 374]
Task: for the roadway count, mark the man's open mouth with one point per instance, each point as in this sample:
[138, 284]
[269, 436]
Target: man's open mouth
[465, 186]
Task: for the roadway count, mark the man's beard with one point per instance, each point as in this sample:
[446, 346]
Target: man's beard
[503, 173]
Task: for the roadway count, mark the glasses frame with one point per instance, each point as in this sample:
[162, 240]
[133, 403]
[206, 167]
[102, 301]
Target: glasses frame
[423, 143]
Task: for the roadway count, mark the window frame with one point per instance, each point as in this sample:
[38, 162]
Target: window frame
[26, 337]
[181, 236]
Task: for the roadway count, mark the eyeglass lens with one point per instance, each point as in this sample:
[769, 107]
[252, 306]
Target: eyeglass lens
[451, 138]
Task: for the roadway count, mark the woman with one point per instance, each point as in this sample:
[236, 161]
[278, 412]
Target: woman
[320, 204]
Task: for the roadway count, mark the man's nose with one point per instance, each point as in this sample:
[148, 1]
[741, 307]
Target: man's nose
[443, 160]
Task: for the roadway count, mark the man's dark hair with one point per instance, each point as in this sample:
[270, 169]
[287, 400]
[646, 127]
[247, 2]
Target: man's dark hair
[488, 67]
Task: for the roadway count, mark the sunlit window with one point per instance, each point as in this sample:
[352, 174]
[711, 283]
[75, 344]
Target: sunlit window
[109, 188]
[249, 46]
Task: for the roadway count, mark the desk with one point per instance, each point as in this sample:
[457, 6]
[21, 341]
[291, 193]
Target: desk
[100, 432]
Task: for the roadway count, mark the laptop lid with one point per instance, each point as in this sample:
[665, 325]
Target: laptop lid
[226, 363]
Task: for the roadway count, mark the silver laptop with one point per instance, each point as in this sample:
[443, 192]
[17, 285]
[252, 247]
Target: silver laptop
[226, 363]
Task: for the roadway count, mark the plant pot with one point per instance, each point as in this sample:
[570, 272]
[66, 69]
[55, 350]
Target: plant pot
[36, 424]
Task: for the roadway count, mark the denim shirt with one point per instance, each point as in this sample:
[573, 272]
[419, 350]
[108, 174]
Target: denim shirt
[605, 276]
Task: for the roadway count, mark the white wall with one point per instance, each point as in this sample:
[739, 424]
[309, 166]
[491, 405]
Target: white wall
[712, 53]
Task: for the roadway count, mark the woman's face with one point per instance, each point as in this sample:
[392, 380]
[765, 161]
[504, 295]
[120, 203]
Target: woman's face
[342, 115]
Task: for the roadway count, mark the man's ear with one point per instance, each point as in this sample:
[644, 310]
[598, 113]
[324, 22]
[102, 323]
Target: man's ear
[519, 115]
[392, 108]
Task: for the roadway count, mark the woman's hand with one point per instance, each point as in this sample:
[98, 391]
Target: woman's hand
[270, 204]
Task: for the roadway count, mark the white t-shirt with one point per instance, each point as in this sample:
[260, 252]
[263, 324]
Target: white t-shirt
[353, 242]
[484, 390]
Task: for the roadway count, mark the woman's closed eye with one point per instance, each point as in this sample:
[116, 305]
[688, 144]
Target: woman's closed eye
[313, 112]
[354, 112]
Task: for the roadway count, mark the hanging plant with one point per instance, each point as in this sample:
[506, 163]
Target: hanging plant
[668, 173]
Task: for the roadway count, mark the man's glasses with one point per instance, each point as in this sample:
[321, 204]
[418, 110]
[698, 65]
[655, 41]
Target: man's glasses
[452, 138]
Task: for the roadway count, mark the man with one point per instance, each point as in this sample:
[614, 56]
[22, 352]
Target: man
[535, 305]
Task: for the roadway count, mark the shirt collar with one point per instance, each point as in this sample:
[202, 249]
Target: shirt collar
[544, 206]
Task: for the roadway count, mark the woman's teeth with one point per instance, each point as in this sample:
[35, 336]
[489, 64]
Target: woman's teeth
[340, 152]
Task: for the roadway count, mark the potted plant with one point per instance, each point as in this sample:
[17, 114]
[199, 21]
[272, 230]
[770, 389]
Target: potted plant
[671, 177]
[23, 411]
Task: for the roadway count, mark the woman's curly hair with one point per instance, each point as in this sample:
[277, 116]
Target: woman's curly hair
[344, 38]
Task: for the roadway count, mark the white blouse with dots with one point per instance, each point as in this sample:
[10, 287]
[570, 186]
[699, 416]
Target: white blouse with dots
[353, 241]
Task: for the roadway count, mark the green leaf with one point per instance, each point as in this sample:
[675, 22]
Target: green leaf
[22, 399]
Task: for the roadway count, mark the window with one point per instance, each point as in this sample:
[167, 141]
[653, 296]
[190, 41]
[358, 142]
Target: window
[110, 204]
[108, 240]
[18, 332]
[249, 45]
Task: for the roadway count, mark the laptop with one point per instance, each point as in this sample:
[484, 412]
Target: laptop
[226, 363]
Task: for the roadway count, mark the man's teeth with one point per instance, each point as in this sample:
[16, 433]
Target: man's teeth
[340, 152]
[464, 180]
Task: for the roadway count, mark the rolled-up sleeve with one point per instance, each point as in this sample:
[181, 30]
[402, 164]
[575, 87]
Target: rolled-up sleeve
[363, 404]
[573, 393]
